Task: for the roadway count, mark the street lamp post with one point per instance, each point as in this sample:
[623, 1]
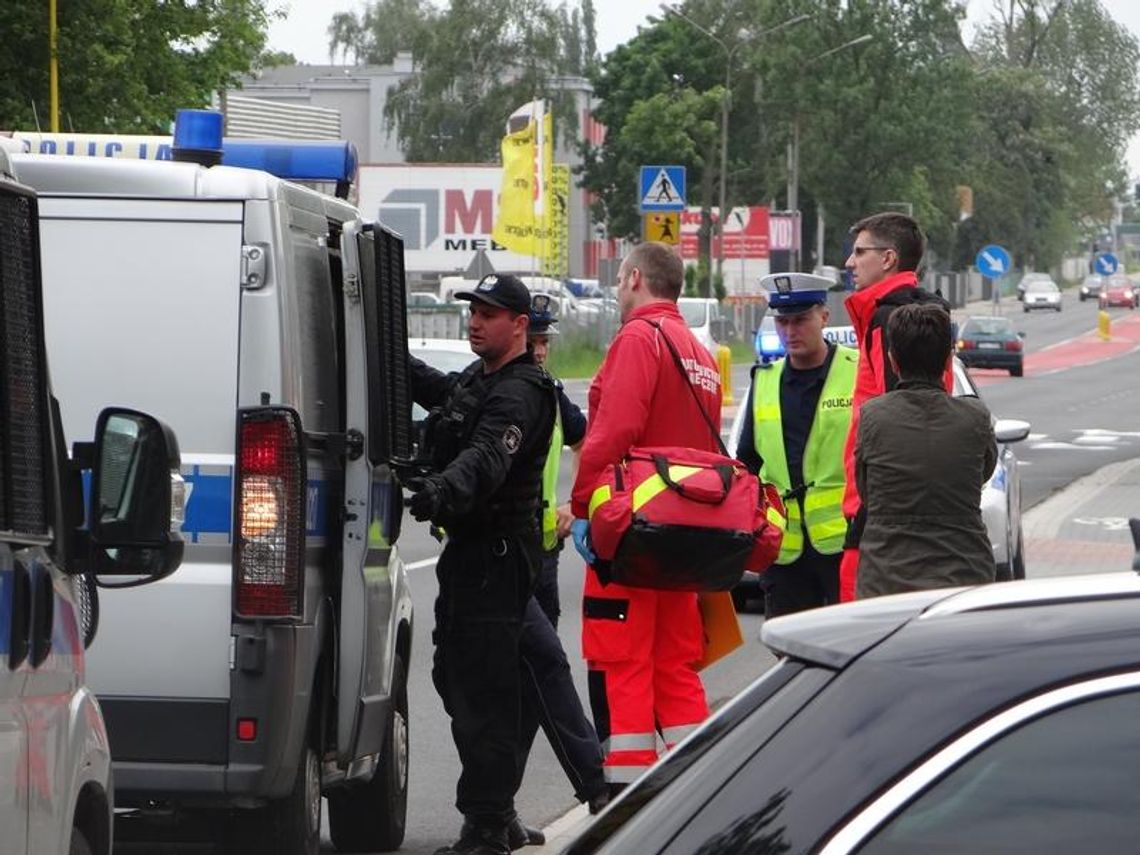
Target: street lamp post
[729, 51]
[794, 152]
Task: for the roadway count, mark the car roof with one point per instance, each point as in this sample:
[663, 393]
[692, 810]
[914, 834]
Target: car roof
[451, 345]
[836, 635]
[988, 318]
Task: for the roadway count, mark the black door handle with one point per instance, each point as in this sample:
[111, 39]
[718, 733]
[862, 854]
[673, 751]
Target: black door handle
[19, 640]
[43, 613]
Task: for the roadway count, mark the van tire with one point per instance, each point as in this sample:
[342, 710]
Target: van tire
[372, 817]
[79, 844]
[287, 826]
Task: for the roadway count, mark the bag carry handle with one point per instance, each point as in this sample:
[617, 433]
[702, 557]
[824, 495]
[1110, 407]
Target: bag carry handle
[685, 376]
[704, 496]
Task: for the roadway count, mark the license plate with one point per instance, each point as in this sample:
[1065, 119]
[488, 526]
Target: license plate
[989, 345]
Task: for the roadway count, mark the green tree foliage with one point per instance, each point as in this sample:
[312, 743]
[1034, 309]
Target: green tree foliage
[1035, 117]
[125, 66]
[476, 62]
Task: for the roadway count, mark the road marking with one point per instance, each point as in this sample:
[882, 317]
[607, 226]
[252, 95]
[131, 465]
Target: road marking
[1109, 523]
[425, 562]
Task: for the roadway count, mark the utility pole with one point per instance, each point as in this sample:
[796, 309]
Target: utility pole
[53, 65]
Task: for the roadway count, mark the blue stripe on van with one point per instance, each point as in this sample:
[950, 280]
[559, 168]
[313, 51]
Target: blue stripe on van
[210, 509]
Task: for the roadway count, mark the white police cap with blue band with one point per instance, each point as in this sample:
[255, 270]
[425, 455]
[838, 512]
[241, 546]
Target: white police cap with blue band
[793, 293]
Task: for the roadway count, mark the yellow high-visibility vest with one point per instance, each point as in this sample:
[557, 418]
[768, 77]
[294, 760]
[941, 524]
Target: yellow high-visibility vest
[821, 507]
[550, 484]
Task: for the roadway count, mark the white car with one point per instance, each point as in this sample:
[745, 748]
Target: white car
[1001, 495]
[702, 315]
[445, 354]
[1040, 293]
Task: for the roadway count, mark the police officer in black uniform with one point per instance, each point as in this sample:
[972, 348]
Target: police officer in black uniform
[487, 438]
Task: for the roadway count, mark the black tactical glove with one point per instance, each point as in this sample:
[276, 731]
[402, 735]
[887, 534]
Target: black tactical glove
[426, 499]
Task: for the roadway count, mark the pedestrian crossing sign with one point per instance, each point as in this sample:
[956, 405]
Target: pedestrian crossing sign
[663, 228]
[662, 188]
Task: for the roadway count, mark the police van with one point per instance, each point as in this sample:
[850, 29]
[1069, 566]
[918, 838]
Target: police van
[54, 759]
[265, 321]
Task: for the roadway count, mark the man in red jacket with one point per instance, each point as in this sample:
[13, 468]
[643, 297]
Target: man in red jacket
[885, 254]
[640, 645]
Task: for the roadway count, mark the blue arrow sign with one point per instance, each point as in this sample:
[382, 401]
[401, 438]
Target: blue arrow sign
[661, 188]
[993, 261]
[1106, 264]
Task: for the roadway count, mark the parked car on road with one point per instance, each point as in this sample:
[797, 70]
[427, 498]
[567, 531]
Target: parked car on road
[1118, 290]
[999, 718]
[1000, 502]
[1028, 279]
[1090, 286]
[1041, 294]
[990, 342]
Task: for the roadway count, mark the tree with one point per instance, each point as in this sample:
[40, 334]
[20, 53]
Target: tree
[477, 63]
[125, 67]
[382, 30]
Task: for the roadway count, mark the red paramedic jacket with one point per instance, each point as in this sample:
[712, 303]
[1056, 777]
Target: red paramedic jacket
[639, 398]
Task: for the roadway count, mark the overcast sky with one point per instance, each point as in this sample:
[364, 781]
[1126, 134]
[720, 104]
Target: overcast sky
[303, 32]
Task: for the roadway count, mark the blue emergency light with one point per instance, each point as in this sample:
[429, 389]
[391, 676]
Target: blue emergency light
[198, 139]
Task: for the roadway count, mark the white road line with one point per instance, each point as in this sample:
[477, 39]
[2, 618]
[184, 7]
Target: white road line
[425, 562]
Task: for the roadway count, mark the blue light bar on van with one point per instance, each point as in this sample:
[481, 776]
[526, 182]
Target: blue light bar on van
[294, 160]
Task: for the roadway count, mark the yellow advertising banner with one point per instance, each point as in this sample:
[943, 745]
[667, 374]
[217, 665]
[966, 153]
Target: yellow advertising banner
[663, 227]
[556, 261]
[515, 223]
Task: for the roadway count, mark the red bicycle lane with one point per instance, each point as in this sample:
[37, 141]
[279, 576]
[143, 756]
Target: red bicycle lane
[1085, 349]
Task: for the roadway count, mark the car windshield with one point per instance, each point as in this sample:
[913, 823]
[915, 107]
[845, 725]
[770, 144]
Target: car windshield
[987, 326]
[1041, 286]
[695, 312]
[1118, 282]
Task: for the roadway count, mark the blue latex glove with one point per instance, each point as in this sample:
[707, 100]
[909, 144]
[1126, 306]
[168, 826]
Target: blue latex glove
[580, 531]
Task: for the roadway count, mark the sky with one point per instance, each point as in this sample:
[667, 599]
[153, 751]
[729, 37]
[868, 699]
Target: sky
[303, 31]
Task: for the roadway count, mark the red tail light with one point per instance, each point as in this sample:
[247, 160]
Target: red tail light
[270, 514]
[963, 344]
[1015, 344]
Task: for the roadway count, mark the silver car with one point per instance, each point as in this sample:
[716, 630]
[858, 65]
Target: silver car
[1001, 495]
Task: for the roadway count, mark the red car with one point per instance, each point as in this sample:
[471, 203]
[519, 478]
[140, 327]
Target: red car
[1118, 290]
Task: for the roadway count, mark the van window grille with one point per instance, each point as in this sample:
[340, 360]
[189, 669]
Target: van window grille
[24, 495]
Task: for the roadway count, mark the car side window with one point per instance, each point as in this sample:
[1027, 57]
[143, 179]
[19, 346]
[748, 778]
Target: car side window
[1067, 781]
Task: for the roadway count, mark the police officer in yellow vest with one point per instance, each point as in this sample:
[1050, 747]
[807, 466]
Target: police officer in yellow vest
[795, 425]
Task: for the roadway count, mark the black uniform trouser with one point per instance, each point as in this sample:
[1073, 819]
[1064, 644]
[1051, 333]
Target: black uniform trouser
[546, 587]
[809, 582]
[484, 585]
[551, 700]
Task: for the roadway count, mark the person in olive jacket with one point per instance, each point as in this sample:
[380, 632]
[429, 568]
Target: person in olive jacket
[921, 460]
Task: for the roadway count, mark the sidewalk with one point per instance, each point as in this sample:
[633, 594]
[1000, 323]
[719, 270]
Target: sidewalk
[1080, 530]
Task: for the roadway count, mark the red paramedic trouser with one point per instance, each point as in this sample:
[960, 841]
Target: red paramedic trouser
[640, 646]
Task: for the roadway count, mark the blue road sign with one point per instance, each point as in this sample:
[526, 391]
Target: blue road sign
[662, 188]
[993, 261]
[1106, 264]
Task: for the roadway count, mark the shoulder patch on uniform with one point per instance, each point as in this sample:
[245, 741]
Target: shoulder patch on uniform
[512, 439]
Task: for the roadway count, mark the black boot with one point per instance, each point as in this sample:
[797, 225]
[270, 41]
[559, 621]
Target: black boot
[599, 800]
[478, 840]
[519, 835]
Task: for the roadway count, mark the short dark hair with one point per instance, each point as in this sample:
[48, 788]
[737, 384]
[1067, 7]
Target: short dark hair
[661, 267]
[898, 231]
[919, 337]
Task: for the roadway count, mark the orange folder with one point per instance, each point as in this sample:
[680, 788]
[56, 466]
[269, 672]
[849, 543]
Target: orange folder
[722, 633]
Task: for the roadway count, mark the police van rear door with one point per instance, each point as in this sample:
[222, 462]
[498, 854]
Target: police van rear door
[378, 421]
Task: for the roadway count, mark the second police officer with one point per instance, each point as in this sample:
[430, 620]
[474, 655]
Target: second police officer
[487, 440]
[795, 425]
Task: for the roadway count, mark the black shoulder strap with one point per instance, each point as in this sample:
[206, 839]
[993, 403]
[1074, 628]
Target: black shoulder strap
[685, 376]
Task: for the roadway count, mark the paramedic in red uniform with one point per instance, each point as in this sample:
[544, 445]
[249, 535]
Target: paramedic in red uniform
[885, 254]
[640, 644]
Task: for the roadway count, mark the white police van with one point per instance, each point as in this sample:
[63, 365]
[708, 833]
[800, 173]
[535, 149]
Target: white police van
[266, 322]
[55, 765]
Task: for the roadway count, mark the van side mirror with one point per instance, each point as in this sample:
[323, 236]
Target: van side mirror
[1011, 430]
[138, 499]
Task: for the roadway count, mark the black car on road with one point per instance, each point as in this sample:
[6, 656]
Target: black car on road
[1000, 718]
[991, 342]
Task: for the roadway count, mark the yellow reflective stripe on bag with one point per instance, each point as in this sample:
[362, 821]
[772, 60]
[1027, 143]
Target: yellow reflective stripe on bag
[655, 485]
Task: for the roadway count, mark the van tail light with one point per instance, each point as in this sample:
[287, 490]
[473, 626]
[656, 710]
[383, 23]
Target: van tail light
[1015, 344]
[269, 514]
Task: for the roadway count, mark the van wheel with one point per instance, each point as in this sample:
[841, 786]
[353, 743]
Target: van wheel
[371, 817]
[79, 845]
[288, 826]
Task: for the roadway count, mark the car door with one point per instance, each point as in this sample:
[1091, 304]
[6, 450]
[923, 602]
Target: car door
[378, 416]
[13, 724]
[1058, 772]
